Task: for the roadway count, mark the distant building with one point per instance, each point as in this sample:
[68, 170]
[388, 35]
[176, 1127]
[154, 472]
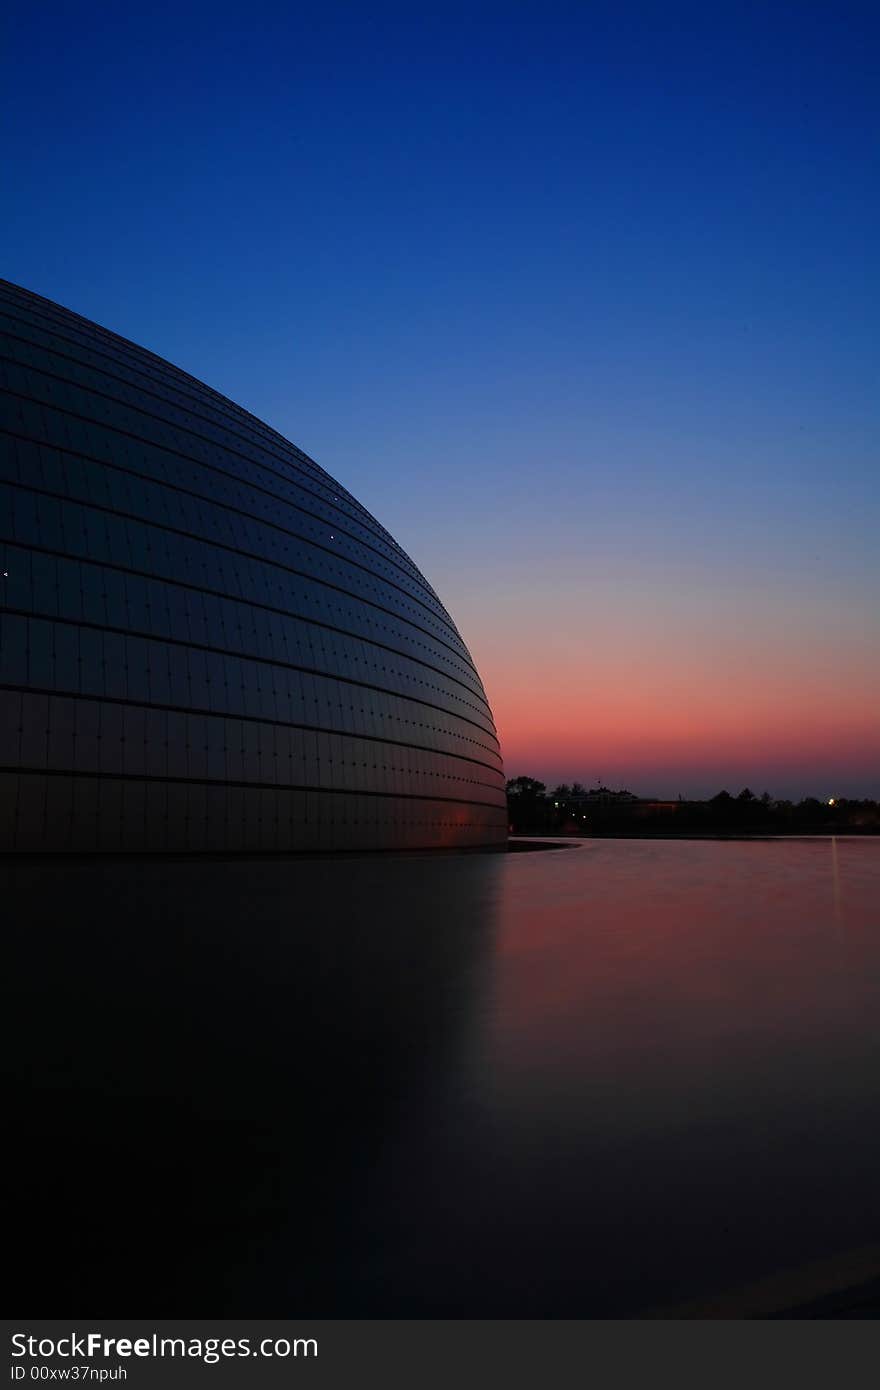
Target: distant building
[604, 796]
[602, 803]
[596, 796]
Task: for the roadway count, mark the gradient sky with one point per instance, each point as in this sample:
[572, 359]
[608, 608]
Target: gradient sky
[581, 300]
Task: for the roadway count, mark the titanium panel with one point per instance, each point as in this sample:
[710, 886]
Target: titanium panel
[206, 643]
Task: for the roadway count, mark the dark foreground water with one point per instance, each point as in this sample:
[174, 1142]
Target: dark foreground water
[627, 1076]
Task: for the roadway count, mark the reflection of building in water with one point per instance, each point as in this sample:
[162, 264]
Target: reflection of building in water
[207, 643]
[222, 1050]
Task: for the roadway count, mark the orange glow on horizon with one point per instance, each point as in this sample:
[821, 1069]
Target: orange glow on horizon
[582, 725]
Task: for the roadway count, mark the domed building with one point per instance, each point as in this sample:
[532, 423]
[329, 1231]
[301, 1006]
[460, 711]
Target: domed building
[206, 643]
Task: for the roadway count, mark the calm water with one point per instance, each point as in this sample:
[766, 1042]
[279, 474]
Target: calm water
[621, 1077]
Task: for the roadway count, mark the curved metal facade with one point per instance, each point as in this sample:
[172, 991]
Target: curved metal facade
[207, 644]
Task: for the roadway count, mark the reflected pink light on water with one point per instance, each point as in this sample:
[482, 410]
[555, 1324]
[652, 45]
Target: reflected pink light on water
[656, 967]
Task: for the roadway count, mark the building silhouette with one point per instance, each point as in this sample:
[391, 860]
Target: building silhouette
[207, 644]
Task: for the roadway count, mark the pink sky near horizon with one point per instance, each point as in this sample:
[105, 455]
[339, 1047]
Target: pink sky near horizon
[664, 752]
[667, 692]
[674, 612]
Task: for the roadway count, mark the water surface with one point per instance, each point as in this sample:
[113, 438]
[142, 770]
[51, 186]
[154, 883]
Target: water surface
[625, 1077]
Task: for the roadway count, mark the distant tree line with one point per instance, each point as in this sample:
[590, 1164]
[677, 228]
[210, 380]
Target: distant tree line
[572, 809]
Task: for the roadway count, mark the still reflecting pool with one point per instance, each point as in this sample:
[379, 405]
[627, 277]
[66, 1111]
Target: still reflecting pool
[624, 1077]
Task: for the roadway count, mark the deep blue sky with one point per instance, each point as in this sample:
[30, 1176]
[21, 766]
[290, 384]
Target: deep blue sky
[581, 300]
